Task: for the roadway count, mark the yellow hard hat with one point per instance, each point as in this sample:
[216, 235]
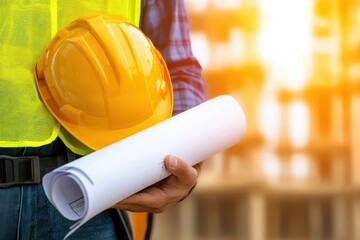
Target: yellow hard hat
[103, 80]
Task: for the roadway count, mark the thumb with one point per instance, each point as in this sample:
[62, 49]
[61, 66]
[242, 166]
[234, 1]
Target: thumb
[185, 173]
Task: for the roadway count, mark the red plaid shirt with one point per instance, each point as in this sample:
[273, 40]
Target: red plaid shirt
[165, 22]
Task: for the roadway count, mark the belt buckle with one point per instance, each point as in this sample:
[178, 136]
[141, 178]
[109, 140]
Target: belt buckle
[19, 170]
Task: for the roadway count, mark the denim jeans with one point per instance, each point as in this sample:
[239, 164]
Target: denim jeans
[26, 213]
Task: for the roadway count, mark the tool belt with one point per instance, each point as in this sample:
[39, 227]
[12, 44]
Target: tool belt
[27, 169]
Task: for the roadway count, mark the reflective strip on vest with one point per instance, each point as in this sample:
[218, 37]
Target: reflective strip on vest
[25, 32]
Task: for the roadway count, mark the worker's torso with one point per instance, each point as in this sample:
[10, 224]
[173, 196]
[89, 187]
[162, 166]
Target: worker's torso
[26, 28]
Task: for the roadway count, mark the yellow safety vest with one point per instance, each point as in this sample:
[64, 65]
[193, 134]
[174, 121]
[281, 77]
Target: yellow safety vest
[26, 29]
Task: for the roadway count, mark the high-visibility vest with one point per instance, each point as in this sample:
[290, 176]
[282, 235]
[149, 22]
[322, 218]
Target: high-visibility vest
[25, 31]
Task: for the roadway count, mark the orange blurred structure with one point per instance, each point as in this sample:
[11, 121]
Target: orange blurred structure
[139, 224]
[295, 68]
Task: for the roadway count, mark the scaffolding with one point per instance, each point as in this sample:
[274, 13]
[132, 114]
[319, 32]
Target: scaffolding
[298, 178]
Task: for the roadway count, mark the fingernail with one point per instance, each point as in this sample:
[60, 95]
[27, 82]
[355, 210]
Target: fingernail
[173, 162]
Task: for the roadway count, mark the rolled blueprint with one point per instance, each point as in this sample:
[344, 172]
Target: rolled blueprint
[87, 186]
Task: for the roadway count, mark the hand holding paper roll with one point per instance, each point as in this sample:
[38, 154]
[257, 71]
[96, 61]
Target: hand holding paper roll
[77, 188]
[166, 193]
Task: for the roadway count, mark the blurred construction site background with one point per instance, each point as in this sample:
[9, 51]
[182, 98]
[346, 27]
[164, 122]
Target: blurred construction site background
[294, 66]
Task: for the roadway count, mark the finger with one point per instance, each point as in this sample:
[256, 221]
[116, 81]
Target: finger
[186, 174]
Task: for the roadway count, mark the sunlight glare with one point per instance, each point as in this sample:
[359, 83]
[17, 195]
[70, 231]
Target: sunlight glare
[285, 41]
[300, 166]
[226, 4]
[269, 118]
[271, 166]
[198, 5]
[298, 123]
[200, 47]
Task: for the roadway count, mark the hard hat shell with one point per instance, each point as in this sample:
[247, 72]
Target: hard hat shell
[103, 80]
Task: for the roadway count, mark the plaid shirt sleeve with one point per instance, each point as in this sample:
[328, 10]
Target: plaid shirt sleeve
[166, 24]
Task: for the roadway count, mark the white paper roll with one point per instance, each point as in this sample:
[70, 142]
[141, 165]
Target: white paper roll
[83, 188]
